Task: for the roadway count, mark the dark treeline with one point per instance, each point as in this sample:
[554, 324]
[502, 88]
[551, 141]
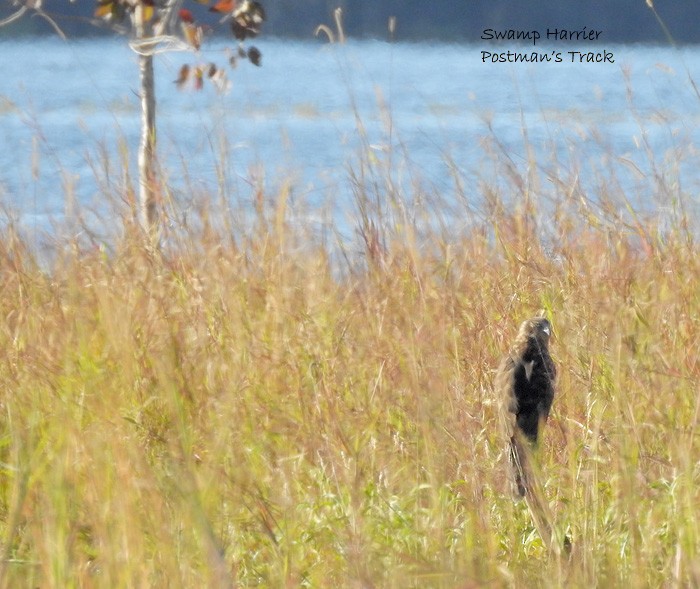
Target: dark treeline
[622, 21]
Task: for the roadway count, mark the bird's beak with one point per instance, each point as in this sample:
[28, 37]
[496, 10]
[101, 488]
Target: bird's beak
[547, 330]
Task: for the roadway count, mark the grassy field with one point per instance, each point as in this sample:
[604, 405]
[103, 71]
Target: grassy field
[259, 404]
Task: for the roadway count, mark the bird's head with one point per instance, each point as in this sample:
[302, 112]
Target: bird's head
[537, 328]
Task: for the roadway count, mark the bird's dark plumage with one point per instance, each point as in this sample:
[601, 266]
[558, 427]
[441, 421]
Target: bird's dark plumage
[525, 383]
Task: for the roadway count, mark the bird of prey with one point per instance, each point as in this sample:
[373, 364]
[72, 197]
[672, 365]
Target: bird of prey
[525, 385]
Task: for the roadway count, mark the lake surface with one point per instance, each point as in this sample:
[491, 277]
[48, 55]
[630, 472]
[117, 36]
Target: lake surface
[69, 117]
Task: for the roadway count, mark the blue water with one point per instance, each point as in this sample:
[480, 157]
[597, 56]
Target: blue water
[69, 119]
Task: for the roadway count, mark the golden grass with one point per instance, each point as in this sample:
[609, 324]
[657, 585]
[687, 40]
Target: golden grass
[276, 410]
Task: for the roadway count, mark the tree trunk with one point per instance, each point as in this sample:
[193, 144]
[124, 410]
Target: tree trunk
[147, 147]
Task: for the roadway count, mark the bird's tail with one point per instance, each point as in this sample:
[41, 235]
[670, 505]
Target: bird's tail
[526, 485]
[520, 466]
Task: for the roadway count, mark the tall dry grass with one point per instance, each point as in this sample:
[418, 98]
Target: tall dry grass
[258, 404]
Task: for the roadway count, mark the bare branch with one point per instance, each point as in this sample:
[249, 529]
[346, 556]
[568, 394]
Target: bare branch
[13, 17]
[169, 17]
[159, 44]
[39, 12]
[327, 30]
